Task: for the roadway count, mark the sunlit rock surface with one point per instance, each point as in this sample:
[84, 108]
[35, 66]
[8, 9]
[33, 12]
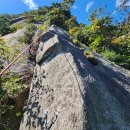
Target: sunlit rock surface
[87, 97]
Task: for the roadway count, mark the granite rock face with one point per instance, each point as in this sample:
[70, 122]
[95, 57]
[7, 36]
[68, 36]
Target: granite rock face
[87, 97]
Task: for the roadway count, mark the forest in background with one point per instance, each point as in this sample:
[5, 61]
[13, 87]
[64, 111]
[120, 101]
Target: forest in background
[103, 35]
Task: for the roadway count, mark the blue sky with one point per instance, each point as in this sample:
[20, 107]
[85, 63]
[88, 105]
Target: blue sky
[81, 8]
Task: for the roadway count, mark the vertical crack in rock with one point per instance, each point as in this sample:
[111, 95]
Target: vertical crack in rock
[88, 97]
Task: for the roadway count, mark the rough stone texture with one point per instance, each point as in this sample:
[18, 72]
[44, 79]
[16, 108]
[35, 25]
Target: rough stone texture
[88, 97]
[12, 38]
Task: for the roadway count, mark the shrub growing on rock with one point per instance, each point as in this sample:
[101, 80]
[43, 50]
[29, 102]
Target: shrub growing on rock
[28, 35]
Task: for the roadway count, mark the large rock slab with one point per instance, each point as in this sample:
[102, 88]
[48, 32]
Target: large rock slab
[88, 97]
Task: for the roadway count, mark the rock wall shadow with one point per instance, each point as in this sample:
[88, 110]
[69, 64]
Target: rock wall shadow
[92, 97]
[33, 118]
[94, 85]
[33, 107]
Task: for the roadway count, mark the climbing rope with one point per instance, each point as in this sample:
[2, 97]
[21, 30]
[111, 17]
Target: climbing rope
[18, 56]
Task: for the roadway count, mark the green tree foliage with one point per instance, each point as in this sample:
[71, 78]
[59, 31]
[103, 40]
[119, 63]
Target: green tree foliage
[101, 35]
[39, 18]
[7, 53]
[28, 34]
[66, 4]
[5, 23]
[109, 55]
[112, 41]
[56, 14]
[9, 85]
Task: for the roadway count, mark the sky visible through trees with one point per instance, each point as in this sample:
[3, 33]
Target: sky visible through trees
[81, 8]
